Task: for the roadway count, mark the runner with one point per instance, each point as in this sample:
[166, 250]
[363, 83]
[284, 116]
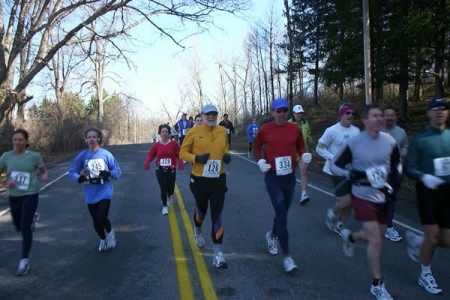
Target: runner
[93, 167]
[299, 119]
[333, 139]
[22, 186]
[282, 143]
[206, 147]
[198, 120]
[251, 130]
[428, 164]
[229, 126]
[399, 135]
[369, 172]
[182, 127]
[166, 153]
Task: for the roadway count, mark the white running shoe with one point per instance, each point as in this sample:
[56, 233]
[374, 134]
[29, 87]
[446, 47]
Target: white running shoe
[165, 210]
[102, 247]
[219, 261]
[111, 240]
[347, 246]
[199, 240]
[338, 227]
[304, 198]
[272, 243]
[414, 242]
[23, 267]
[392, 235]
[289, 264]
[428, 282]
[36, 219]
[330, 219]
[380, 292]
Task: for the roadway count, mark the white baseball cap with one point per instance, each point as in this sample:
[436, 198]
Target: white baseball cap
[298, 109]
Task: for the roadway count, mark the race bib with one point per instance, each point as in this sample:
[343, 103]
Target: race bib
[94, 166]
[184, 131]
[255, 131]
[441, 166]
[283, 165]
[22, 179]
[165, 162]
[377, 177]
[212, 168]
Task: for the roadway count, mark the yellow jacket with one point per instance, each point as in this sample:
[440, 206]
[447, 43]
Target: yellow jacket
[205, 139]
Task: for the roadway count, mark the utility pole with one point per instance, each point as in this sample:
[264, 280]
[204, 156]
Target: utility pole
[367, 64]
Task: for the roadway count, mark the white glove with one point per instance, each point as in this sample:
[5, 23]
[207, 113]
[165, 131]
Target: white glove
[306, 157]
[263, 165]
[431, 181]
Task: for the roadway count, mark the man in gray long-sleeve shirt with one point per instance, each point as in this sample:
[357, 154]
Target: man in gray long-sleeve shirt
[370, 159]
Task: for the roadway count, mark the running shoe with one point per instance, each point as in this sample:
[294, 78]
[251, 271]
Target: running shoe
[111, 240]
[392, 235]
[169, 200]
[165, 210]
[414, 242]
[199, 240]
[289, 264]
[331, 219]
[338, 227]
[219, 261]
[347, 246]
[304, 198]
[428, 282]
[23, 267]
[272, 244]
[103, 247]
[380, 292]
[36, 219]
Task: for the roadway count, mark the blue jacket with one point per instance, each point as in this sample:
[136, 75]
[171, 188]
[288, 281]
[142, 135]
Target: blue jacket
[252, 130]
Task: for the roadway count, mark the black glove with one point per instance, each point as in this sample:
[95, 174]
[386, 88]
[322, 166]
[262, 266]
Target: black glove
[202, 158]
[82, 179]
[104, 174]
[226, 158]
[356, 175]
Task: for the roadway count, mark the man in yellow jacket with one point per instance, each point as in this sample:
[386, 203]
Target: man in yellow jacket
[206, 147]
[299, 119]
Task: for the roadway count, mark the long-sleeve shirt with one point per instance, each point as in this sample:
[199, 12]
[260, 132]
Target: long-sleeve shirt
[166, 155]
[90, 164]
[206, 139]
[429, 153]
[363, 152]
[279, 141]
[251, 131]
[333, 139]
[228, 125]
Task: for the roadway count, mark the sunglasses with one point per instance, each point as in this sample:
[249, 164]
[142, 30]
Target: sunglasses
[280, 110]
[212, 113]
[350, 113]
[436, 108]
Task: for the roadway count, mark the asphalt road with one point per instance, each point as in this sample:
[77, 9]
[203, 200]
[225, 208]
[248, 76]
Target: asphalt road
[156, 258]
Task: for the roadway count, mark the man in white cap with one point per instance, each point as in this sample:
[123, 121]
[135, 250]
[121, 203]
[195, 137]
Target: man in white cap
[206, 147]
[298, 113]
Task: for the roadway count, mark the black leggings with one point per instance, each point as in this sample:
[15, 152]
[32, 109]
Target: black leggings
[250, 144]
[166, 181]
[22, 212]
[99, 214]
[212, 189]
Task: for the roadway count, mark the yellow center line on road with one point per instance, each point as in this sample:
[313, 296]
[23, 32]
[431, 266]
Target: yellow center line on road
[205, 279]
[184, 278]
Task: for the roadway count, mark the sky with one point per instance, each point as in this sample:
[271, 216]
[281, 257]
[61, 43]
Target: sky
[162, 66]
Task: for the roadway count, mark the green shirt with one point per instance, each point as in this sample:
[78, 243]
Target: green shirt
[429, 153]
[22, 169]
[306, 130]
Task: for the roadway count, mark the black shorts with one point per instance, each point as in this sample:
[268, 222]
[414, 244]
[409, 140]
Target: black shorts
[434, 205]
[341, 185]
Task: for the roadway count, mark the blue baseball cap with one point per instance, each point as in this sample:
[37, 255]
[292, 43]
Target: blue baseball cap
[279, 103]
[437, 101]
[209, 108]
